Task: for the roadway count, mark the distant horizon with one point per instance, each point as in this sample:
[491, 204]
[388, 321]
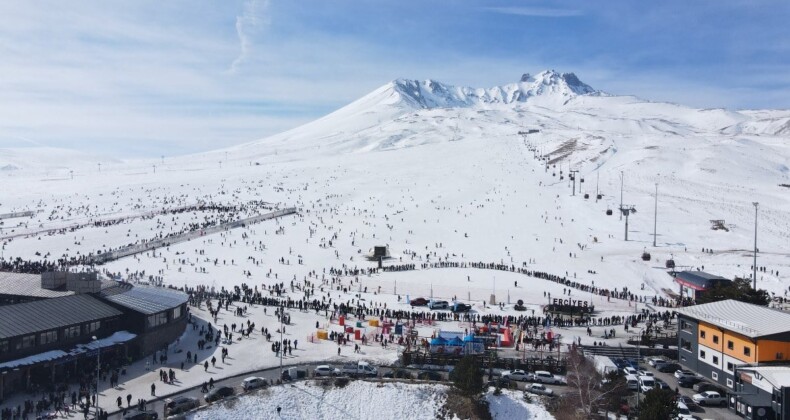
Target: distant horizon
[142, 79]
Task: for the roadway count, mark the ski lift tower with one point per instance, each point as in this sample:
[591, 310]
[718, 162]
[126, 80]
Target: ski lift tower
[573, 178]
[626, 210]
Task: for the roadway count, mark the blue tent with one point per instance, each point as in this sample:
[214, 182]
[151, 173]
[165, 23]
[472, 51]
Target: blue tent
[455, 342]
[438, 341]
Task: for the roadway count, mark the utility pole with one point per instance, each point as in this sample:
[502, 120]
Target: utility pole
[754, 266]
[99, 167]
[572, 175]
[154, 168]
[621, 196]
[655, 216]
[282, 314]
[597, 178]
[71, 172]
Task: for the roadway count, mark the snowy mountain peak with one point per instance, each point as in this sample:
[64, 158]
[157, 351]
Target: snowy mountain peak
[433, 94]
[567, 81]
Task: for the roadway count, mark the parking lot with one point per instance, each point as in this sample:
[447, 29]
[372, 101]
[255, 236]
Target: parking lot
[718, 413]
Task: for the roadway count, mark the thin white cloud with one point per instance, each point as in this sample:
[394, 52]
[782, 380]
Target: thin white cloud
[250, 21]
[536, 11]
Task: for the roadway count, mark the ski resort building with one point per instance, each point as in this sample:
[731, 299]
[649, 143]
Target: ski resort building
[716, 339]
[52, 325]
[763, 392]
[694, 283]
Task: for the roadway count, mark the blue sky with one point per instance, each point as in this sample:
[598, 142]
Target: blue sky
[144, 78]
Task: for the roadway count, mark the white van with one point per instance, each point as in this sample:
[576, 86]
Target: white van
[545, 377]
[684, 412]
[646, 383]
[628, 370]
[632, 382]
[360, 369]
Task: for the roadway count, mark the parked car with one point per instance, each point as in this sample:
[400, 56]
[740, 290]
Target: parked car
[706, 386]
[661, 384]
[632, 382]
[253, 382]
[689, 402]
[642, 372]
[398, 373]
[461, 307]
[419, 302]
[359, 369]
[628, 370]
[429, 375]
[668, 367]
[326, 370]
[684, 373]
[688, 381]
[178, 405]
[503, 383]
[709, 398]
[683, 411]
[619, 362]
[517, 375]
[545, 377]
[142, 415]
[219, 393]
[539, 389]
[652, 361]
[439, 304]
[646, 383]
[292, 373]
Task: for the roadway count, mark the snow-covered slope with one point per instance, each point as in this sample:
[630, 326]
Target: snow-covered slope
[450, 164]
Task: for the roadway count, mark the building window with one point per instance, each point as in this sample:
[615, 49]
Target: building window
[26, 342]
[747, 351]
[716, 339]
[702, 334]
[729, 382]
[702, 354]
[3, 346]
[685, 344]
[685, 326]
[730, 345]
[157, 319]
[177, 312]
[730, 366]
[714, 376]
[715, 360]
[71, 332]
[92, 326]
[48, 337]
